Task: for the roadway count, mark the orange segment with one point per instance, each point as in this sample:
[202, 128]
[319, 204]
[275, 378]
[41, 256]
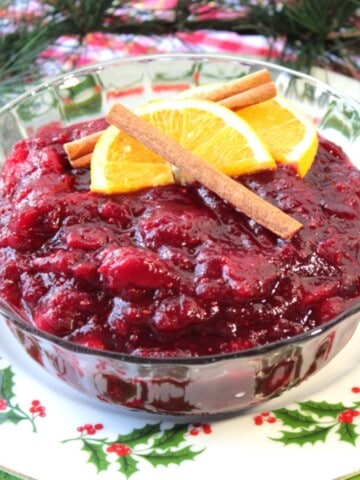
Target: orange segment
[233, 153]
[290, 135]
[214, 133]
[121, 164]
[187, 125]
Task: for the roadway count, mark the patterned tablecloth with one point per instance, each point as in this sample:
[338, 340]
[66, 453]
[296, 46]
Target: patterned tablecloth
[67, 53]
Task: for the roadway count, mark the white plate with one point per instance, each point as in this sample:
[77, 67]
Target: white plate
[302, 429]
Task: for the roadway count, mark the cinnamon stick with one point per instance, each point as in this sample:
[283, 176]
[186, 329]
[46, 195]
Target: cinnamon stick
[242, 92]
[82, 162]
[250, 97]
[81, 147]
[218, 92]
[228, 189]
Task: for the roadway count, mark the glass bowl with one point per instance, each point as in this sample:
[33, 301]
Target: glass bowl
[211, 385]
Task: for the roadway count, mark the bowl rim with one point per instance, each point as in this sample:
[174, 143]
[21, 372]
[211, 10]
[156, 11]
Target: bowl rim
[99, 66]
[257, 351]
[13, 317]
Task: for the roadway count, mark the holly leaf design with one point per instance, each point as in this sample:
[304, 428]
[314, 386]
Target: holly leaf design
[171, 437]
[171, 456]
[347, 432]
[294, 418]
[128, 465]
[97, 455]
[12, 416]
[160, 446]
[6, 383]
[304, 435]
[322, 409]
[8, 476]
[3, 417]
[351, 476]
[139, 435]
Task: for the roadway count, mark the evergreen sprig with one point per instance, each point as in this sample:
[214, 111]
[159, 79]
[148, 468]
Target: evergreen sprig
[313, 32]
[322, 32]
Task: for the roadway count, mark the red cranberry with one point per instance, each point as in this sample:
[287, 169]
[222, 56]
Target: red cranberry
[125, 266]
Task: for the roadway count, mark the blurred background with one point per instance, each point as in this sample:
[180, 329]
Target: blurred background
[39, 39]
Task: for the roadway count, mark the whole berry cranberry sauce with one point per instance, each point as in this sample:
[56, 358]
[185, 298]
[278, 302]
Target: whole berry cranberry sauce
[173, 271]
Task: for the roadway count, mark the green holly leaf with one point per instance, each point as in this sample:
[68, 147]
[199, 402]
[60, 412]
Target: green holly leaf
[347, 433]
[3, 417]
[6, 383]
[323, 409]
[171, 456]
[128, 465]
[304, 435]
[171, 437]
[4, 475]
[11, 416]
[351, 476]
[96, 453]
[294, 418]
[139, 435]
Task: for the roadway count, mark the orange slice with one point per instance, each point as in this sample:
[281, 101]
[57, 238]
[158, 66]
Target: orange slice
[214, 133]
[121, 164]
[290, 135]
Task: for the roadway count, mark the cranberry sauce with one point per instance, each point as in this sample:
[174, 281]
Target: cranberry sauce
[173, 271]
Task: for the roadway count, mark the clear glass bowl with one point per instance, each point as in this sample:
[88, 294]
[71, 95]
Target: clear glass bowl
[216, 385]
